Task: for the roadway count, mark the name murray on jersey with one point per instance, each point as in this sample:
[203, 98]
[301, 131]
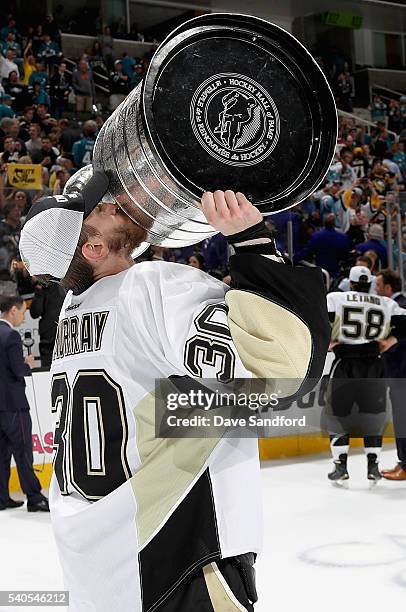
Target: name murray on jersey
[80, 334]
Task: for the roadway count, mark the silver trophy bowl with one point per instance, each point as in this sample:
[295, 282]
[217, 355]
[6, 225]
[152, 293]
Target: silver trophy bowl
[228, 102]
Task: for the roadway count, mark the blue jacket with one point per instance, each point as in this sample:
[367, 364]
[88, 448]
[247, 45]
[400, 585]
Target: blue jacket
[12, 371]
[328, 247]
[377, 246]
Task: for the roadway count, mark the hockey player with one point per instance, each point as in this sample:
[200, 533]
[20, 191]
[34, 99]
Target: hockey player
[144, 523]
[363, 326]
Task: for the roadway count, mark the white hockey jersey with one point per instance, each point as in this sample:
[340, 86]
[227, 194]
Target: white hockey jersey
[359, 317]
[135, 515]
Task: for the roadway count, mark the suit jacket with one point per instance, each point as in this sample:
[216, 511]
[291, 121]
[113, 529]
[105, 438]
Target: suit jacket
[328, 247]
[395, 358]
[12, 371]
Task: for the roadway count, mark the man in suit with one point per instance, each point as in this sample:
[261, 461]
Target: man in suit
[15, 420]
[328, 247]
[388, 283]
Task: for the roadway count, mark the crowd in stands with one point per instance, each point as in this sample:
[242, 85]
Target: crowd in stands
[336, 69]
[34, 70]
[391, 112]
[49, 118]
[345, 219]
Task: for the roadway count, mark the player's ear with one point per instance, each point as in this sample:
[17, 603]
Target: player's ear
[94, 250]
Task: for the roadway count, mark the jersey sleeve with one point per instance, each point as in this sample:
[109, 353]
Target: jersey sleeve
[272, 324]
[278, 317]
[331, 307]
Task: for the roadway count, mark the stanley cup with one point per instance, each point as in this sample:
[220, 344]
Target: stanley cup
[228, 102]
[141, 185]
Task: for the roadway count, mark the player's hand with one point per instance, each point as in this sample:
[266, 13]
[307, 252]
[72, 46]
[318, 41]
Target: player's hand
[229, 212]
[30, 360]
[385, 345]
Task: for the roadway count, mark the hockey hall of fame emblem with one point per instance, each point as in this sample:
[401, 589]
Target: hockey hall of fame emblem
[235, 119]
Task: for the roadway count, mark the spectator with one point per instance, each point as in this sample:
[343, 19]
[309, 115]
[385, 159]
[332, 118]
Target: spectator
[48, 152]
[36, 39]
[11, 153]
[29, 64]
[96, 62]
[342, 171]
[330, 202]
[10, 27]
[395, 119]
[137, 76]
[392, 166]
[16, 433]
[83, 86]
[128, 64]
[352, 218]
[328, 248]
[52, 29]
[39, 75]
[7, 64]
[344, 91]
[12, 44]
[44, 119]
[10, 229]
[11, 127]
[39, 95]
[82, 150]
[361, 163]
[399, 155]
[16, 89]
[382, 140]
[68, 135]
[20, 198]
[378, 109]
[197, 261]
[61, 86]
[46, 305]
[62, 177]
[34, 144]
[375, 243]
[49, 52]
[118, 85]
[66, 161]
[107, 45]
[37, 194]
[5, 106]
[96, 55]
[27, 118]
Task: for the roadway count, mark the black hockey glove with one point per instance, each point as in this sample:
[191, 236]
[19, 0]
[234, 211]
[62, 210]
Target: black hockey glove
[254, 239]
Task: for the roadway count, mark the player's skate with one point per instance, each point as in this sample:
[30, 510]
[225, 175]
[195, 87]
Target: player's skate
[339, 475]
[373, 469]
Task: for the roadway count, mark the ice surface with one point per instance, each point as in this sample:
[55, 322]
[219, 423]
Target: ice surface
[325, 548]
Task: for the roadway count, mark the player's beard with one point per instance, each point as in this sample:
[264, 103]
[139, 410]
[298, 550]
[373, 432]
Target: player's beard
[126, 238]
[80, 275]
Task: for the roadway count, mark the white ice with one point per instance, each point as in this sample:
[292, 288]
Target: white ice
[325, 548]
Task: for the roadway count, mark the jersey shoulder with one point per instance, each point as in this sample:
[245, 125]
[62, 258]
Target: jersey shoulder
[337, 297]
[392, 306]
[169, 272]
[157, 282]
